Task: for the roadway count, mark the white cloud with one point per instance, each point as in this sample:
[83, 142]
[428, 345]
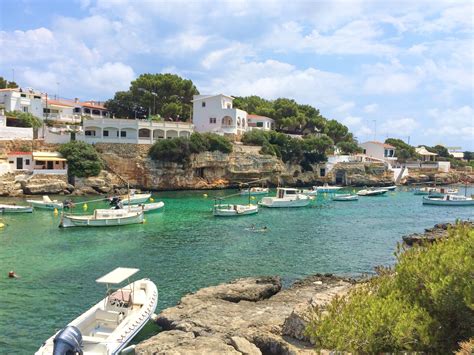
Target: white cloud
[345, 107]
[352, 121]
[371, 108]
[453, 122]
[397, 127]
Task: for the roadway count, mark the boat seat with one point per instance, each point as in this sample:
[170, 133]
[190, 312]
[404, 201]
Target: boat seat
[107, 316]
[88, 339]
[120, 298]
[139, 297]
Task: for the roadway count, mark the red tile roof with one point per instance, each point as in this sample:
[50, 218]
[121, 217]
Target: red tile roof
[258, 117]
[59, 103]
[92, 105]
[20, 153]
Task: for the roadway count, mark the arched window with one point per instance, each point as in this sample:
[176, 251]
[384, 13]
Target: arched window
[227, 121]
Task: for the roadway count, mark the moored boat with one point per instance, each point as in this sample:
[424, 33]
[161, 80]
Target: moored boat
[15, 209]
[372, 192]
[229, 210]
[102, 218]
[255, 191]
[107, 327]
[326, 188]
[390, 188]
[46, 203]
[448, 200]
[132, 198]
[435, 191]
[145, 207]
[345, 197]
[286, 197]
[308, 192]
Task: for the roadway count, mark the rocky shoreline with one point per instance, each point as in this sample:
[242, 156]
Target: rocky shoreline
[430, 235]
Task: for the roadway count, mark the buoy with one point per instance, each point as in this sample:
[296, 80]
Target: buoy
[205, 195]
[144, 220]
[152, 199]
[2, 225]
[252, 197]
[55, 211]
[84, 207]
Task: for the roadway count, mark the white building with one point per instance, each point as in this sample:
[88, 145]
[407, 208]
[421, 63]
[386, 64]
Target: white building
[260, 122]
[23, 100]
[425, 154]
[37, 162]
[114, 130]
[214, 113]
[380, 151]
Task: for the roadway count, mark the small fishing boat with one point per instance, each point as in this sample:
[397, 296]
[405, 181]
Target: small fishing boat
[390, 188]
[112, 323]
[449, 200]
[326, 188]
[145, 207]
[102, 218]
[15, 209]
[372, 192]
[286, 197]
[133, 198]
[435, 191]
[229, 210]
[46, 203]
[345, 197]
[310, 192]
[255, 191]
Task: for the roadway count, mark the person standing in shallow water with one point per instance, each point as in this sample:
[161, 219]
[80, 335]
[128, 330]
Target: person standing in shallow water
[12, 275]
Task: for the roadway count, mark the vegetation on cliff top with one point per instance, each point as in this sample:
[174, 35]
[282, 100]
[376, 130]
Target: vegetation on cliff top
[426, 303]
[24, 119]
[179, 150]
[82, 158]
[168, 95]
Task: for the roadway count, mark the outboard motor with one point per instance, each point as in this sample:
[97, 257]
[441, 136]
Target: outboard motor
[68, 342]
[114, 201]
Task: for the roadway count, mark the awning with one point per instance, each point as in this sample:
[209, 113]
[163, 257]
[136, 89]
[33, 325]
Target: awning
[423, 151]
[48, 156]
[117, 276]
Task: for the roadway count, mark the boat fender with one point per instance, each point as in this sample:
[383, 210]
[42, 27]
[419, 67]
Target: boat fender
[2, 225]
[67, 341]
[204, 195]
[84, 207]
[152, 199]
[55, 211]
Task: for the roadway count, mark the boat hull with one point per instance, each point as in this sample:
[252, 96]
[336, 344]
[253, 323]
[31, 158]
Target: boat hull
[272, 202]
[440, 202]
[372, 193]
[124, 331]
[15, 209]
[345, 198]
[45, 205]
[254, 192]
[135, 199]
[147, 208]
[68, 221]
[230, 212]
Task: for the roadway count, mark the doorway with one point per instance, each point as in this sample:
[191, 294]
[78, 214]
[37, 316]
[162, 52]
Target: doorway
[50, 165]
[19, 163]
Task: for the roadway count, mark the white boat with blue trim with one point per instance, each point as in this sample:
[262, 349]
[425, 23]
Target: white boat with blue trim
[326, 188]
[345, 197]
[448, 200]
[107, 327]
[286, 197]
[46, 203]
[15, 209]
[232, 210]
[102, 218]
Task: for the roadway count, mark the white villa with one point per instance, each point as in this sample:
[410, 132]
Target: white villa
[114, 130]
[214, 113]
[260, 122]
[37, 162]
[425, 154]
[24, 100]
[379, 151]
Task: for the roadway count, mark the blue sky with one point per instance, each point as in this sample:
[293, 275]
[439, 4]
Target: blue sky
[384, 68]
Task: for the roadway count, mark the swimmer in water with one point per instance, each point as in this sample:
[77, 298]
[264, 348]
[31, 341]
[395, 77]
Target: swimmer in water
[12, 275]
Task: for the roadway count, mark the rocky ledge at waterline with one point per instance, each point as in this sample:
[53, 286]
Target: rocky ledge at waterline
[431, 234]
[248, 316]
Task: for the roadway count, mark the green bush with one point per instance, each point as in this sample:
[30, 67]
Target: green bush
[179, 150]
[426, 303]
[82, 159]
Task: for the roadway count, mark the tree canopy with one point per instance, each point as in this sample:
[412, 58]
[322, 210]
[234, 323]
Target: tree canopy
[25, 119]
[403, 151]
[5, 84]
[168, 95]
[82, 158]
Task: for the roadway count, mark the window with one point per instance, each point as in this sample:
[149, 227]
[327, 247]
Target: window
[212, 120]
[90, 133]
[365, 151]
[25, 109]
[11, 162]
[106, 133]
[203, 104]
[77, 109]
[229, 105]
[86, 110]
[23, 95]
[322, 172]
[123, 134]
[259, 124]
[37, 97]
[46, 110]
[27, 161]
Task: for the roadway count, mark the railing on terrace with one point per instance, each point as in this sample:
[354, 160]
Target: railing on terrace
[50, 172]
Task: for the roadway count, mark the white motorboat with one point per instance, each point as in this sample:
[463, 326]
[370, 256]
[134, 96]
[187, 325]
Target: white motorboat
[15, 209]
[46, 203]
[286, 198]
[372, 192]
[134, 198]
[255, 191]
[326, 188]
[230, 210]
[435, 191]
[390, 188]
[102, 218]
[345, 197]
[145, 207]
[448, 200]
[112, 323]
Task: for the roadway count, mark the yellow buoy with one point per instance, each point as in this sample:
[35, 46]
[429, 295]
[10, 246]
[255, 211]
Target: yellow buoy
[144, 220]
[84, 207]
[205, 195]
[152, 199]
[2, 225]
[55, 211]
[252, 197]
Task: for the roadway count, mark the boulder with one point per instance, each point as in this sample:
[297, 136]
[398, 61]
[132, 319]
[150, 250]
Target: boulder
[40, 187]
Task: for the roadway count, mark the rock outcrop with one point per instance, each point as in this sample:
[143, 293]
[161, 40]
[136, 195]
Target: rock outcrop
[246, 316]
[431, 234]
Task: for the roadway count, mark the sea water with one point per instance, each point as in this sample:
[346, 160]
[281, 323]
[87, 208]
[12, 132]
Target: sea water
[184, 248]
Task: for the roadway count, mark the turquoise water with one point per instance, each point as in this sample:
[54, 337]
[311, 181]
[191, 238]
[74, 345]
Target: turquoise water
[185, 248]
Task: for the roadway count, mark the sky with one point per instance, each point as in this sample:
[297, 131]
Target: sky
[393, 68]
